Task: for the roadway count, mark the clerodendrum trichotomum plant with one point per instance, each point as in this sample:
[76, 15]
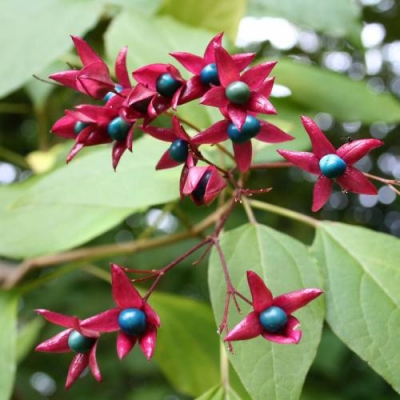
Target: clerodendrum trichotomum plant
[278, 333]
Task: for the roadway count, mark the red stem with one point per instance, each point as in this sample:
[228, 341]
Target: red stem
[161, 272]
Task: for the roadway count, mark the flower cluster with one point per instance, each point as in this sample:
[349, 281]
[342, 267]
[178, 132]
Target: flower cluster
[133, 319]
[218, 80]
[241, 93]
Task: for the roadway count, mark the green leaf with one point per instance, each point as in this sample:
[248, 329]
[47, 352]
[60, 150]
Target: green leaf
[363, 297]
[269, 370]
[47, 24]
[38, 91]
[218, 16]
[163, 35]
[146, 7]
[79, 201]
[337, 18]
[187, 347]
[219, 393]
[27, 337]
[8, 342]
[326, 91]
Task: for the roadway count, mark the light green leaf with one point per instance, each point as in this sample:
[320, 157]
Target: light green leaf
[218, 16]
[27, 337]
[8, 343]
[79, 201]
[336, 18]
[363, 297]
[162, 36]
[39, 91]
[219, 393]
[269, 370]
[326, 91]
[187, 347]
[46, 25]
[146, 7]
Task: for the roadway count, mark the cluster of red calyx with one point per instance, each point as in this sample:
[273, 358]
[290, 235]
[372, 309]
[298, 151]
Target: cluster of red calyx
[219, 80]
[133, 319]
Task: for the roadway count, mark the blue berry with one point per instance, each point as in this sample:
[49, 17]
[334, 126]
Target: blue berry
[79, 127]
[118, 128]
[332, 166]
[198, 193]
[109, 95]
[179, 150]
[132, 321]
[167, 85]
[273, 319]
[79, 343]
[238, 92]
[209, 75]
[249, 130]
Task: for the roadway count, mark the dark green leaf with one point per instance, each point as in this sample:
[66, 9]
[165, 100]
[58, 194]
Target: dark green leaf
[363, 297]
[269, 370]
[27, 337]
[187, 348]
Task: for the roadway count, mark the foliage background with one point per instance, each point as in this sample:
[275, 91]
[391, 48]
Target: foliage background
[351, 52]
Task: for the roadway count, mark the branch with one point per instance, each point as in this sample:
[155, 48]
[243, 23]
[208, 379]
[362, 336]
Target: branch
[15, 275]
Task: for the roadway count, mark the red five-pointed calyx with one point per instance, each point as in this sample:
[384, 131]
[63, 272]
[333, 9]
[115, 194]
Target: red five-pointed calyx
[60, 344]
[349, 178]
[251, 326]
[126, 297]
[254, 82]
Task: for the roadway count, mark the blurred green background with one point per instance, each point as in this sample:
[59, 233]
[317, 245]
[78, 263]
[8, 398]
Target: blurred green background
[340, 64]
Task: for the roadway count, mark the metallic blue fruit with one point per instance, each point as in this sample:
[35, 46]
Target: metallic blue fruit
[179, 150]
[132, 321]
[238, 92]
[249, 130]
[332, 166]
[79, 127]
[118, 128]
[167, 85]
[209, 75]
[117, 88]
[273, 319]
[79, 343]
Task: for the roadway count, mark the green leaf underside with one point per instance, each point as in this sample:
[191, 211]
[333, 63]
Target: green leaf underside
[163, 35]
[218, 16]
[269, 370]
[8, 342]
[187, 345]
[348, 100]
[337, 18]
[31, 21]
[79, 201]
[219, 393]
[363, 297]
